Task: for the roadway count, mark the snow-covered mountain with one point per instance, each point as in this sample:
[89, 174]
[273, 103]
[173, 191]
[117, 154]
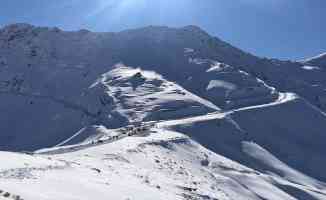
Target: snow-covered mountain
[156, 113]
[49, 72]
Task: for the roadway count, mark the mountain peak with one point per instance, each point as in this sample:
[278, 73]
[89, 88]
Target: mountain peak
[193, 28]
[18, 26]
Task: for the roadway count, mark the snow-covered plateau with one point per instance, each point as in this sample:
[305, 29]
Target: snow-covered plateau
[156, 113]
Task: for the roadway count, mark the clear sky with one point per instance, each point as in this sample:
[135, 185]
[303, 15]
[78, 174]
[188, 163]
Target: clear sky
[286, 29]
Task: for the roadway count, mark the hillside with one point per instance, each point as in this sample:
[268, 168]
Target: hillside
[43, 73]
[156, 113]
[162, 165]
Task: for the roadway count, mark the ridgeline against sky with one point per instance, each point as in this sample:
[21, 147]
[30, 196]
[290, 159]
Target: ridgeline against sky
[291, 29]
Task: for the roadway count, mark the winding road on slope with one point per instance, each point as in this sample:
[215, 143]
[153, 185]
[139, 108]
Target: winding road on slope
[123, 132]
[283, 98]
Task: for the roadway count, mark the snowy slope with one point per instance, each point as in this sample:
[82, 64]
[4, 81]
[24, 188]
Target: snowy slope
[163, 165]
[164, 50]
[280, 127]
[185, 55]
[228, 86]
[145, 95]
[48, 72]
[121, 96]
[319, 60]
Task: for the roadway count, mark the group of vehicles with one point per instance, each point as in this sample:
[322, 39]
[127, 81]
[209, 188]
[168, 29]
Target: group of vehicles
[130, 130]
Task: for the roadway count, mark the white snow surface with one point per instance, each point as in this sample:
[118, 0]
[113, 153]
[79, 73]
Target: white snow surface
[145, 95]
[220, 84]
[306, 67]
[163, 165]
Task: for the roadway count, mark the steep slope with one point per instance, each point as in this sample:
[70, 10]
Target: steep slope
[27, 51]
[145, 95]
[123, 95]
[45, 75]
[281, 128]
[185, 55]
[317, 61]
[166, 46]
[50, 54]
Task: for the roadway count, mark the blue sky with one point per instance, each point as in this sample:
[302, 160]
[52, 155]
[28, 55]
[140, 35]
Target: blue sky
[286, 29]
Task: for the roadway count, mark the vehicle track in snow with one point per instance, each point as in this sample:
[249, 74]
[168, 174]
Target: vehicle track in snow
[283, 98]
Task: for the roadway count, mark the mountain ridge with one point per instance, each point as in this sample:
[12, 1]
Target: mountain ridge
[152, 106]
